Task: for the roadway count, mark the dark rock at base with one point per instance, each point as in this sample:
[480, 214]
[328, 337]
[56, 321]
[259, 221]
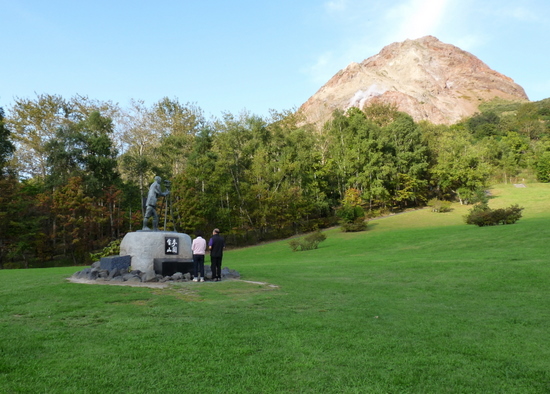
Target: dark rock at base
[207, 271]
[229, 273]
[114, 273]
[84, 273]
[122, 275]
[112, 262]
[128, 276]
[93, 274]
[149, 277]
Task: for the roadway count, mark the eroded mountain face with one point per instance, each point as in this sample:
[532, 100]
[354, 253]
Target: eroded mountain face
[426, 78]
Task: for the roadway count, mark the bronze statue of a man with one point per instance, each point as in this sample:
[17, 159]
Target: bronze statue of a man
[151, 204]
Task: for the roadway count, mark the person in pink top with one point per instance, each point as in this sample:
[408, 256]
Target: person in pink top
[198, 247]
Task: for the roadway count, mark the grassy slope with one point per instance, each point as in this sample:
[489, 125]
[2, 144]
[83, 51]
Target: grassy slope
[418, 303]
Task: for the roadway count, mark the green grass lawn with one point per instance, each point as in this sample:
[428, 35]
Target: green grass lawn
[418, 303]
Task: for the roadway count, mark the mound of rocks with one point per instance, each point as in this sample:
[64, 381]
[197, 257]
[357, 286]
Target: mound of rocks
[122, 274]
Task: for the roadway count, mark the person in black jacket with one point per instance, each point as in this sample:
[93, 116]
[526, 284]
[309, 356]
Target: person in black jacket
[216, 246]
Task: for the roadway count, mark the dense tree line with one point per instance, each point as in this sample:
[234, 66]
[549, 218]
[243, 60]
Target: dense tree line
[73, 173]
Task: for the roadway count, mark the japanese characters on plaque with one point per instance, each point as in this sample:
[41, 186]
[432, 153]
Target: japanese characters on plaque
[171, 245]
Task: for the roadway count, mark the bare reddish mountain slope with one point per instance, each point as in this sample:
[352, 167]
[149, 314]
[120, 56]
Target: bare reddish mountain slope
[426, 78]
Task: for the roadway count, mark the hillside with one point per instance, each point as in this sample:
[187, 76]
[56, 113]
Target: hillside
[426, 78]
[418, 303]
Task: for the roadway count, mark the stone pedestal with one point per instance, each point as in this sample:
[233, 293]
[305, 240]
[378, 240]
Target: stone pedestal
[146, 246]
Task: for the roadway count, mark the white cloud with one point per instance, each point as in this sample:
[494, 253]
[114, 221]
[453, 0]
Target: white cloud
[358, 29]
[369, 26]
[336, 5]
[520, 13]
[364, 28]
[417, 18]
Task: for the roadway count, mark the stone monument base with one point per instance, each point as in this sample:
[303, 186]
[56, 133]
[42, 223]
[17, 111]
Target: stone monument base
[146, 246]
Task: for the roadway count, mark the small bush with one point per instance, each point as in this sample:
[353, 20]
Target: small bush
[351, 213]
[481, 215]
[352, 218]
[357, 225]
[294, 244]
[439, 206]
[308, 242]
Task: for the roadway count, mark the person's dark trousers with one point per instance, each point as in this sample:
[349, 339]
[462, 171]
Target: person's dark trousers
[216, 266]
[198, 265]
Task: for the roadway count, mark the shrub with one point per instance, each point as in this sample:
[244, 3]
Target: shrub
[481, 215]
[352, 218]
[358, 224]
[512, 214]
[439, 206]
[294, 244]
[351, 213]
[308, 242]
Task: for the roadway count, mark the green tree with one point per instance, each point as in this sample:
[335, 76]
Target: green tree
[408, 154]
[381, 153]
[9, 195]
[484, 124]
[541, 163]
[140, 141]
[529, 123]
[461, 168]
[281, 175]
[515, 154]
[6, 145]
[193, 196]
[381, 114]
[78, 221]
[176, 124]
[83, 150]
[543, 167]
[351, 213]
[35, 123]
[355, 156]
[22, 219]
[235, 145]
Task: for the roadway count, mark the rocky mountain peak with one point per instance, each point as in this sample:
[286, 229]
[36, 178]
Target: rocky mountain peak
[426, 78]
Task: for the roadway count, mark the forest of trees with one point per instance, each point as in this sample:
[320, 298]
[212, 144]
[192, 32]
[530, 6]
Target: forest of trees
[73, 172]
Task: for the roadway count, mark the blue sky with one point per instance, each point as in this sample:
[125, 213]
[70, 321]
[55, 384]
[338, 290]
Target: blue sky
[230, 56]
